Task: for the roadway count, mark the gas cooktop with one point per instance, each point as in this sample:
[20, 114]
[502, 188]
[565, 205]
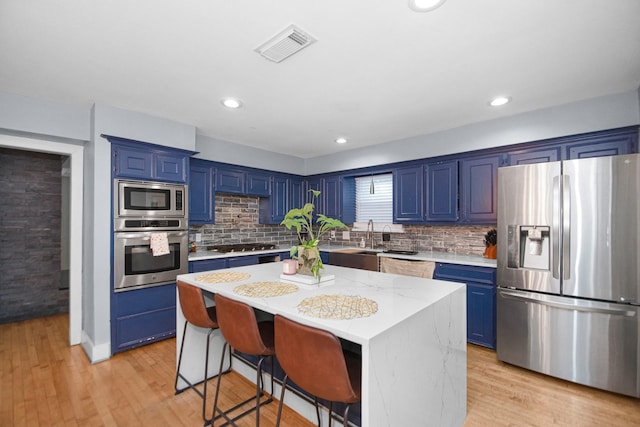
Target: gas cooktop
[241, 247]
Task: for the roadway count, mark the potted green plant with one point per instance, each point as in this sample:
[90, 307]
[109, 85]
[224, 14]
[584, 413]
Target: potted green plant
[307, 253]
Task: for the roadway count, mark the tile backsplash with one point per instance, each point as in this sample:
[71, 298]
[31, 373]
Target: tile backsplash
[237, 221]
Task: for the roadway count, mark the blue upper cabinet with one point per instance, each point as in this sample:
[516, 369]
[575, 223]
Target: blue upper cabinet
[408, 194]
[595, 144]
[296, 193]
[279, 199]
[230, 181]
[144, 161]
[171, 167]
[258, 184]
[603, 144]
[536, 155]
[442, 191]
[478, 187]
[201, 192]
[318, 185]
[332, 197]
[132, 163]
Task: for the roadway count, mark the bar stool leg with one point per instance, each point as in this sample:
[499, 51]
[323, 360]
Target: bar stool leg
[175, 386]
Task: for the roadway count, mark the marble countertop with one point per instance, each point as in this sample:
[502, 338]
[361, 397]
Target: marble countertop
[398, 297]
[446, 257]
[475, 260]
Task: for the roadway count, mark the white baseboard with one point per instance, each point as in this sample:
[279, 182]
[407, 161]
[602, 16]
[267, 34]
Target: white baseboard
[95, 353]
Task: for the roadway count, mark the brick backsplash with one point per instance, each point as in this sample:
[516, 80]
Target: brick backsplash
[30, 227]
[237, 221]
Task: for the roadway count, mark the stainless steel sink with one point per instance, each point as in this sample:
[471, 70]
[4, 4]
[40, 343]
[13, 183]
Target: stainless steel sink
[355, 258]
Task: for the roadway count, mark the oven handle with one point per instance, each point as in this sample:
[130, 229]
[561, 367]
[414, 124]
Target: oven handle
[146, 235]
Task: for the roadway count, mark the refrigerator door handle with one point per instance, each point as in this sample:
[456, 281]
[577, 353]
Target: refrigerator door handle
[566, 227]
[573, 307]
[555, 228]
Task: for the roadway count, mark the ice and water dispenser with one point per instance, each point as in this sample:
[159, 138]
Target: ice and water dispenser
[528, 247]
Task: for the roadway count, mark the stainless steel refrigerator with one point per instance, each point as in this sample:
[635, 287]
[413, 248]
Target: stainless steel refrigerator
[568, 300]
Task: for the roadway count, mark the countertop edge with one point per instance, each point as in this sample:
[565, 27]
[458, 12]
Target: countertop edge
[444, 257]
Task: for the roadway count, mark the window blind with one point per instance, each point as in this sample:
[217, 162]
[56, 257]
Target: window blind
[377, 206]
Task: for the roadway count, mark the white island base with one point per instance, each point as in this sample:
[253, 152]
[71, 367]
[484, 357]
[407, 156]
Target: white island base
[414, 364]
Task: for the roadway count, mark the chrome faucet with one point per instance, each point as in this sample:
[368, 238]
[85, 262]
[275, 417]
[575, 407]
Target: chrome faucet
[370, 233]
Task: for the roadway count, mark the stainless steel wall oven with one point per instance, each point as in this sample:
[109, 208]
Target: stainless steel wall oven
[142, 211]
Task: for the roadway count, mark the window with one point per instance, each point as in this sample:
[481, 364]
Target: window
[378, 206]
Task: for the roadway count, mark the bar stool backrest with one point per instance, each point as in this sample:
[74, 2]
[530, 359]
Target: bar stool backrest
[239, 326]
[314, 360]
[193, 307]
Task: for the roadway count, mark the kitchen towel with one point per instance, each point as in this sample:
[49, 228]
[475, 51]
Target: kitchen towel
[159, 244]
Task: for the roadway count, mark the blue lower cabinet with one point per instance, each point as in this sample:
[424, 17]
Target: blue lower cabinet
[481, 299]
[142, 316]
[241, 261]
[207, 265]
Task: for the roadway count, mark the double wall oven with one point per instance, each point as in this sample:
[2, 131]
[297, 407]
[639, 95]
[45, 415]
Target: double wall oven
[143, 210]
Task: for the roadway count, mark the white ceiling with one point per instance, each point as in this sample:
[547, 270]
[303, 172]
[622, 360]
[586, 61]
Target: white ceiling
[379, 72]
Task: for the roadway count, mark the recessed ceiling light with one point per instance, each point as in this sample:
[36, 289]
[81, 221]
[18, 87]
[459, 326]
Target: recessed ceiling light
[499, 100]
[231, 103]
[425, 5]
[341, 140]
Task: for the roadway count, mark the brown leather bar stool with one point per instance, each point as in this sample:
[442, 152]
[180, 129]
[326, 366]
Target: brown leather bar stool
[197, 314]
[245, 334]
[314, 359]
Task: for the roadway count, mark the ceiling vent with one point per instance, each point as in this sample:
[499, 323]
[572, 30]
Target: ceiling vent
[285, 44]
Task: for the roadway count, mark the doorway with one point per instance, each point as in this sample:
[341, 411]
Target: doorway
[74, 151]
[33, 281]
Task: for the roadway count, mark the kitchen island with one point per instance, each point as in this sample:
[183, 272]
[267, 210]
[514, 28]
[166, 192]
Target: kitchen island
[413, 344]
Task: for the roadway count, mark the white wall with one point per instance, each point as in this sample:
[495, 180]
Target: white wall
[602, 113]
[228, 152]
[37, 116]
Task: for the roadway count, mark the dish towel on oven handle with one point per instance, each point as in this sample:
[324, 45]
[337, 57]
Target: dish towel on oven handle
[159, 244]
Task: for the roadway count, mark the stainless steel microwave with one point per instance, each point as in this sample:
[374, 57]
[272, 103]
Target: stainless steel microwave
[143, 199]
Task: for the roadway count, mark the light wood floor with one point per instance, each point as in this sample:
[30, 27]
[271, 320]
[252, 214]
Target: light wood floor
[46, 382]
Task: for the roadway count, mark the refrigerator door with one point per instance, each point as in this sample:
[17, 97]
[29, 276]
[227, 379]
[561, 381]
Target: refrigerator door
[529, 227]
[601, 213]
[588, 342]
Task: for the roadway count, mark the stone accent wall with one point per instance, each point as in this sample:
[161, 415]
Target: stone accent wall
[237, 221]
[30, 227]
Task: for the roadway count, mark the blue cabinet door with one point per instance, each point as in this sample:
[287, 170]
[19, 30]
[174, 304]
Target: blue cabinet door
[258, 184]
[201, 195]
[296, 193]
[171, 167]
[479, 189]
[536, 155]
[481, 297]
[279, 199]
[481, 315]
[230, 181]
[142, 316]
[408, 194]
[604, 147]
[132, 163]
[442, 191]
[332, 198]
[318, 185]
